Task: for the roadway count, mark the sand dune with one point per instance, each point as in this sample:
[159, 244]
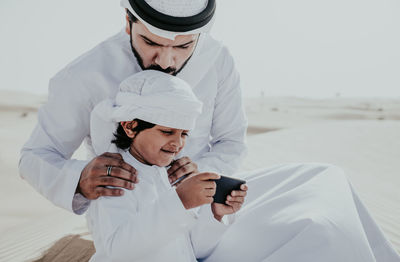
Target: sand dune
[360, 135]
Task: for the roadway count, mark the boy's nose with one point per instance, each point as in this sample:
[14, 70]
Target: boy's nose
[177, 142]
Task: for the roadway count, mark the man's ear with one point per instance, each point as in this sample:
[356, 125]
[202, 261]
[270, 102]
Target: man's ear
[127, 26]
[128, 126]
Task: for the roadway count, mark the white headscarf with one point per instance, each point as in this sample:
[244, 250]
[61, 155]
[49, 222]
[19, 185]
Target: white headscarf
[177, 8]
[149, 95]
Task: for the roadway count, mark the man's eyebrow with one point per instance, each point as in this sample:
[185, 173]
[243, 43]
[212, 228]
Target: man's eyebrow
[150, 41]
[157, 44]
[188, 43]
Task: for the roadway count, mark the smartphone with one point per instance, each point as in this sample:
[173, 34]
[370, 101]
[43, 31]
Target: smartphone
[225, 185]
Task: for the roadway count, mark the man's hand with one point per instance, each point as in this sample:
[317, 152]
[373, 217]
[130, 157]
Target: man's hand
[234, 202]
[94, 178]
[197, 190]
[180, 167]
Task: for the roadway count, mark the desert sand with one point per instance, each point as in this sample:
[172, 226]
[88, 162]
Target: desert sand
[361, 135]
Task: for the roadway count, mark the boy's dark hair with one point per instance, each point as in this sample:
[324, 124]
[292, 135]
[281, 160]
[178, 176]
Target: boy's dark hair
[123, 141]
[132, 18]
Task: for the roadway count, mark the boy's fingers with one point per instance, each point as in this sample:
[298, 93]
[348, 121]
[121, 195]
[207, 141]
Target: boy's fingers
[210, 192]
[235, 199]
[210, 185]
[236, 193]
[209, 199]
[244, 187]
[208, 176]
[235, 205]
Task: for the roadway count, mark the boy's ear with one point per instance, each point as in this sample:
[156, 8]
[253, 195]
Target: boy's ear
[128, 126]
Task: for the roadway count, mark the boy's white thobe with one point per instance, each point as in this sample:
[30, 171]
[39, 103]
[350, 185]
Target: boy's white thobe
[150, 222]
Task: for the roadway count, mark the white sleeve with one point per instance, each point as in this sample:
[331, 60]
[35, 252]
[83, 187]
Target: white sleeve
[229, 123]
[128, 234]
[207, 232]
[45, 160]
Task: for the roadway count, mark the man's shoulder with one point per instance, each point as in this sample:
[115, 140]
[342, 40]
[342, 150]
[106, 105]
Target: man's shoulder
[222, 55]
[99, 60]
[223, 63]
[211, 42]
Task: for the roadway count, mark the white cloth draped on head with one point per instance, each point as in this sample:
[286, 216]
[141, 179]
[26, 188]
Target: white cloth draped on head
[174, 8]
[149, 95]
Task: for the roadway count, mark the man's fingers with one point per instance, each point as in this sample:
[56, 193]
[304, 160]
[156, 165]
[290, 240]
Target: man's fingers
[121, 173]
[183, 170]
[177, 164]
[109, 161]
[113, 181]
[102, 191]
[112, 155]
[208, 176]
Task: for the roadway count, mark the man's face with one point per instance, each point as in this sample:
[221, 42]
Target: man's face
[155, 52]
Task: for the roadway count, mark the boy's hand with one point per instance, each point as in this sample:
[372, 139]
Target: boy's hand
[197, 190]
[233, 203]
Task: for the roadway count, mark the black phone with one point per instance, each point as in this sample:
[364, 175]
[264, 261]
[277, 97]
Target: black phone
[225, 185]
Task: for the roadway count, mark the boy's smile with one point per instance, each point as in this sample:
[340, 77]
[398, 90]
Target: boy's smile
[157, 145]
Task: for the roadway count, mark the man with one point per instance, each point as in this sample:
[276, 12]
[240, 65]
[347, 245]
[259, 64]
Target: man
[169, 36]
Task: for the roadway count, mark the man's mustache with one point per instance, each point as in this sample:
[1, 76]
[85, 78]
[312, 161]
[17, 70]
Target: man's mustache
[168, 70]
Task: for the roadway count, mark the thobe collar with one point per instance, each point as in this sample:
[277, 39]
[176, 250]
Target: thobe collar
[145, 172]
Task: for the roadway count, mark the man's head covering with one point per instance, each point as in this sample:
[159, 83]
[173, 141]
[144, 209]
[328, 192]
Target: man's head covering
[169, 18]
[149, 95]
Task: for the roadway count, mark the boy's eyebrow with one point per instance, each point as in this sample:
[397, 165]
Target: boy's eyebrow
[157, 44]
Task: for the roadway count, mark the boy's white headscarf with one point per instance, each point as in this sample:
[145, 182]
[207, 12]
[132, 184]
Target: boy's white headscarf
[149, 95]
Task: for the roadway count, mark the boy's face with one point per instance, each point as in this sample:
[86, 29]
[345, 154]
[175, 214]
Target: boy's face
[157, 145]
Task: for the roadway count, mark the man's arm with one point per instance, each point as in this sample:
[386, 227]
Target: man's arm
[229, 123]
[63, 122]
[46, 162]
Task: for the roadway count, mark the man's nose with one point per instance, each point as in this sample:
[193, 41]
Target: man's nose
[165, 57]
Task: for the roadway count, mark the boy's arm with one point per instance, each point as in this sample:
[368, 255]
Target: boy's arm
[207, 232]
[129, 235]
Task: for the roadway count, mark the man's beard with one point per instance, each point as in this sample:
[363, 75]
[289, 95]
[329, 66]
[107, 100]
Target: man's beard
[169, 70]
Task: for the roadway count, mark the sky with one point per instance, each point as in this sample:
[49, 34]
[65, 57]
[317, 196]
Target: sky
[309, 48]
